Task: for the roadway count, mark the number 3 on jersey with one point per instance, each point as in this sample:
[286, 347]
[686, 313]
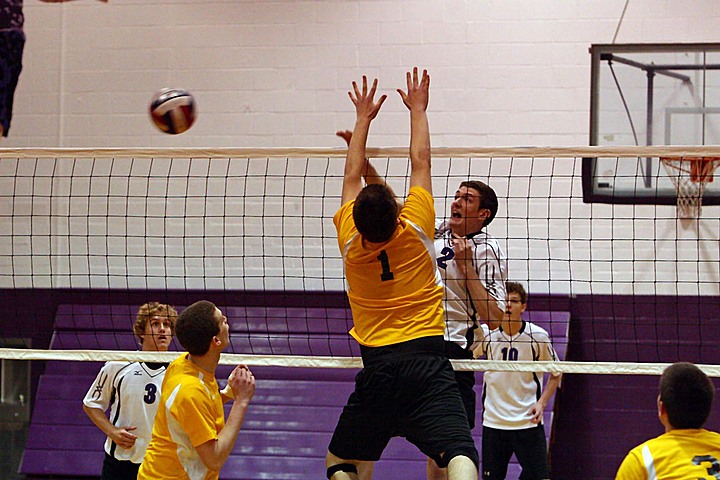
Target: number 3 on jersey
[385, 262]
[150, 393]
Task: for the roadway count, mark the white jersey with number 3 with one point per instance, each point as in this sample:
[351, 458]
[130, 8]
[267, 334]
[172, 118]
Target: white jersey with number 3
[132, 392]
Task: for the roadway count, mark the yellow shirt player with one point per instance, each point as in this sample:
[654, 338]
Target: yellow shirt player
[191, 438]
[395, 291]
[685, 450]
[180, 425]
[407, 386]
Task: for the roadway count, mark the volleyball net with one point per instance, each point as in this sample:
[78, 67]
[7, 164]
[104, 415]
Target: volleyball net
[89, 235]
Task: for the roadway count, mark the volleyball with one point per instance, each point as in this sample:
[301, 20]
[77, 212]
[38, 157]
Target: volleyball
[172, 110]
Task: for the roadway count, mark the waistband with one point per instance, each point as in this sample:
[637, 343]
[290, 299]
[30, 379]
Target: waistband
[434, 345]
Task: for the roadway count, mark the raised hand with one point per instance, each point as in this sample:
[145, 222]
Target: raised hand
[418, 91]
[345, 135]
[463, 253]
[364, 100]
[242, 383]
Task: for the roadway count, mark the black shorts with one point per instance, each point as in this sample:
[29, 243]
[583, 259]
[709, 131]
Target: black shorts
[406, 390]
[529, 446]
[465, 380]
[114, 469]
[11, 52]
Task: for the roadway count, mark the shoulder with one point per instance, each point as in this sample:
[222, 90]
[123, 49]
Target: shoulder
[343, 221]
[113, 368]
[420, 192]
[344, 212]
[484, 241]
[494, 335]
[418, 197]
[632, 466]
[536, 331]
[419, 209]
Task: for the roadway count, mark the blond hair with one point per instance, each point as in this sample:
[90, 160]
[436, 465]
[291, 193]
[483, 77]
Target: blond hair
[153, 309]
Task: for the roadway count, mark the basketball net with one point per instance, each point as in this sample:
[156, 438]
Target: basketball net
[690, 175]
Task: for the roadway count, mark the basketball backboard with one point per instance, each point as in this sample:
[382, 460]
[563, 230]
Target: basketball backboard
[650, 94]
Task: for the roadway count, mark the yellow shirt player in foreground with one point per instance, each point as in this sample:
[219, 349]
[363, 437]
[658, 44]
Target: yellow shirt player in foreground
[190, 438]
[407, 386]
[685, 450]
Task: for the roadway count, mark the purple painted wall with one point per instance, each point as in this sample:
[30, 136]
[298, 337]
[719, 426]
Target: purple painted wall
[599, 417]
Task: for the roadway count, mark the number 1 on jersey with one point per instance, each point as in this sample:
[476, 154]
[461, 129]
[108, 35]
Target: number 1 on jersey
[386, 273]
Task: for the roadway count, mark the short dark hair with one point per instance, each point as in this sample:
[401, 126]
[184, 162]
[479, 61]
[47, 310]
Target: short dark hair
[375, 213]
[196, 326]
[488, 197]
[515, 287]
[687, 395]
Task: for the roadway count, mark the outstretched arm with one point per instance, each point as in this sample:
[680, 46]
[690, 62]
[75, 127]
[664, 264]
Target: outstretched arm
[366, 110]
[416, 100]
[370, 174]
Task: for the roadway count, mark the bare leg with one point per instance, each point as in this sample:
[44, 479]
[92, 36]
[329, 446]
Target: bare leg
[462, 468]
[434, 472]
[365, 470]
[331, 460]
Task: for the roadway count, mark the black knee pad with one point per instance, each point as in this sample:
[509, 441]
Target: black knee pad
[341, 467]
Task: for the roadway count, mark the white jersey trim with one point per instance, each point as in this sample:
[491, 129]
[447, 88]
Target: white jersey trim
[649, 463]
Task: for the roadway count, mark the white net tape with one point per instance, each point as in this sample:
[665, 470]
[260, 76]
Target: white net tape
[299, 361]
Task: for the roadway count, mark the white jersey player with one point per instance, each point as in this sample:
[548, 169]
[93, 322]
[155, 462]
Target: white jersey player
[473, 268]
[131, 391]
[513, 402]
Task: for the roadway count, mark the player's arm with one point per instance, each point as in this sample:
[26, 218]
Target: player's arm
[227, 393]
[416, 100]
[366, 110]
[119, 435]
[486, 306]
[370, 174]
[536, 412]
[215, 452]
[97, 401]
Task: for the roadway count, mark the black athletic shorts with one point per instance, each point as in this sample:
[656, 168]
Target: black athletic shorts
[11, 52]
[114, 469]
[529, 446]
[408, 390]
[465, 380]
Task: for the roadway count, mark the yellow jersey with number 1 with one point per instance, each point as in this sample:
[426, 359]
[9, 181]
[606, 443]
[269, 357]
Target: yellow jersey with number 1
[395, 289]
[677, 454]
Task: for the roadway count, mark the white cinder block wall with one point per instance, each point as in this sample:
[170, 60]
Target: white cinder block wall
[276, 74]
